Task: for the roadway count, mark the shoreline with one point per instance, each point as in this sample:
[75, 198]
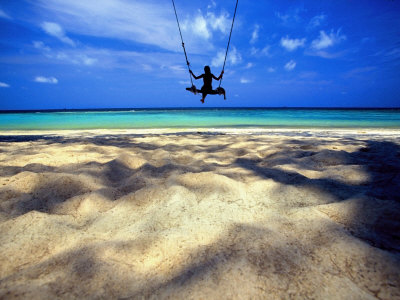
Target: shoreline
[231, 130]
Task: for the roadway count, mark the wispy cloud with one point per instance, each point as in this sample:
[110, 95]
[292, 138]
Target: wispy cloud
[200, 28]
[213, 4]
[290, 65]
[271, 70]
[292, 44]
[41, 46]
[249, 65]
[260, 52]
[203, 26]
[145, 22]
[308, 75]
[178, 68]
[234, 57]
[220, 22]
[283, 17]
[147, 67]
[4, 85]
[57, 31]
[42, 79]
[327, 40]
[77, 57]
[317, 21]
[292, 16]
[358, 72]
[254, 34]
[326, 54]
[245, 80]
[389, 55]
[165, 64]
[4, 15]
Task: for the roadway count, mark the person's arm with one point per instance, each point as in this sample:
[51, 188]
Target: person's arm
[219, 77]
[195, 77]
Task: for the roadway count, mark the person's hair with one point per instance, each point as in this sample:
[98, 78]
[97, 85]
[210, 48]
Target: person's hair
[207, 69]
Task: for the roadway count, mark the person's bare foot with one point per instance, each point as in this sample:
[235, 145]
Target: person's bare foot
[202, 100]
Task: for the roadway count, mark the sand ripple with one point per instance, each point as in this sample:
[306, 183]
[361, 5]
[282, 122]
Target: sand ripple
[200, 216]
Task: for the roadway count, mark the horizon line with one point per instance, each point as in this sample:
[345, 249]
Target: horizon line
[195, 108]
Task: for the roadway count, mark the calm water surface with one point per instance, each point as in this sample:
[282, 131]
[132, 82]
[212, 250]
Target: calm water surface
[206, 118]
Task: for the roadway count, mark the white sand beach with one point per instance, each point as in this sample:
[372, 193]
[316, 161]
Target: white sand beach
[200, 214]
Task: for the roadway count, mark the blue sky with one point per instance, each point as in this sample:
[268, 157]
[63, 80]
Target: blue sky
[127, 53]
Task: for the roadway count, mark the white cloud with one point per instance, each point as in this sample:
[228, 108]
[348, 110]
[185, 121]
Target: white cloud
[254, 35]
[42, 79]
[200, 27]
[325, 54]
[220, 23]
[358, 72]
[177, 68]
[74, 57]
[271, 70]
[317, 21]
[292, 16]
[114, 59]
[265, 51]
[57, 31]
[249, 65]
[41, 46]
[257, 51]
[204, 26]
[245, 80]
[308, 75]
[146, 22]
[233, 58]
[212, 5]
[147, 67]
[284, 18]
[218, 60]
[292, 44]
[77, 57]
[290, 65]
[87, 61]
[4, 85]
[4, 15]
[254, 50]
[327, 40]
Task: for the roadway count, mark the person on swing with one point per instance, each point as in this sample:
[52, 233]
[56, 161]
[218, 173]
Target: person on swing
[207, 80]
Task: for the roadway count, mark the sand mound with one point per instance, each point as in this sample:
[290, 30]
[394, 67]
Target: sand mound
[207, 216]
[332, 158]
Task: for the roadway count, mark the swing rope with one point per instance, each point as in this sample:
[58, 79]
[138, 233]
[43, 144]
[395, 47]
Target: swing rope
[183, 44]
[229, 41]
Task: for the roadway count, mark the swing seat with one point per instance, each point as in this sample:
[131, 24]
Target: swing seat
[221, 91]
[218, 91]
[193, 89]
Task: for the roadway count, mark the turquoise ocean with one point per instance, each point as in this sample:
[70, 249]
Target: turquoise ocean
[201, 118]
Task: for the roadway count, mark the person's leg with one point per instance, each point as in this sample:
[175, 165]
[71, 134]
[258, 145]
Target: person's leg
[204, 97]
[204, 92]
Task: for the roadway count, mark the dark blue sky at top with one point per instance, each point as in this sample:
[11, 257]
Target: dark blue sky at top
[127, 53]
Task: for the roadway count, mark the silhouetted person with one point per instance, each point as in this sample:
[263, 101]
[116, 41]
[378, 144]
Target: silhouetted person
[207, 86]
